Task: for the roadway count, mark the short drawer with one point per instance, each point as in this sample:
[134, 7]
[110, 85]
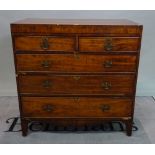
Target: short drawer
[75, 107]
[37, 43]
[79, 63]
[104, 44]
[76, 84]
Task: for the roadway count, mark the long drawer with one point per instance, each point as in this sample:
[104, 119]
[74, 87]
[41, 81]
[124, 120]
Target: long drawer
[44, 43]
[104, 44]
[78, 63]
[77, 84]
[75, 107]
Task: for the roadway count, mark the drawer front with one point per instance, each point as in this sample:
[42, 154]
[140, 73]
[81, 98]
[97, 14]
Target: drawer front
[75, 107]
[36, 43]
[103, 44]
[80, 63]
[77, 84]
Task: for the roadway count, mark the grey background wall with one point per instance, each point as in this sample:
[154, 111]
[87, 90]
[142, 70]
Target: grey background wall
[146, 78]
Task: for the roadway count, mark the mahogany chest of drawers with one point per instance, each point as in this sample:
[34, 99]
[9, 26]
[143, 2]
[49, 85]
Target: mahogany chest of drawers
[76, 71]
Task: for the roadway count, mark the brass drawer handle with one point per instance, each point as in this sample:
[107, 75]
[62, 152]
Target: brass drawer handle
[106, 85]
[108, 44]
[108, 64]
[47, 108]
[47, 84]
[76, 78]
[46, 63]
[44, 44]
[105, 107]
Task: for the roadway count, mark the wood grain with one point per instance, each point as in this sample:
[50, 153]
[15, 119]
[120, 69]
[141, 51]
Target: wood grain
[68, 63]
[34, 43]
[98, 44]
[78, 26]
[76, 84]
[75, 107]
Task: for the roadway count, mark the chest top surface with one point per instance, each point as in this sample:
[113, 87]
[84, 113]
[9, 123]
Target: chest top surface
[116, 27]
[114, 22]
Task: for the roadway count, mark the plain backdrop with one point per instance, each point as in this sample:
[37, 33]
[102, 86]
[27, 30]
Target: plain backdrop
[146, 77]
